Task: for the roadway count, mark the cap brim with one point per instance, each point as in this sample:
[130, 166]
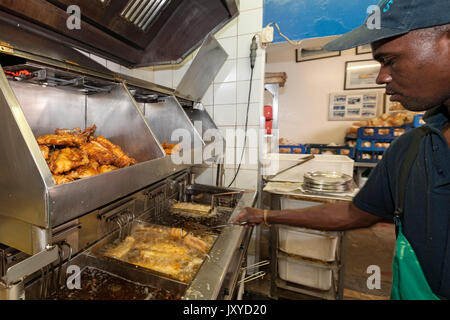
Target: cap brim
[360, 36]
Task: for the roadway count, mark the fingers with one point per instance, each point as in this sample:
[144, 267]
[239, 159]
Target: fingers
[242, 217]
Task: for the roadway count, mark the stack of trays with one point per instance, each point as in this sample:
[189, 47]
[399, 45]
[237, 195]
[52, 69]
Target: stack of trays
[327, 182]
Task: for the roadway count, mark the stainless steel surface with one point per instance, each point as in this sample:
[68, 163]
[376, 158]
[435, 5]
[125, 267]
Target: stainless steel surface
[327, 178]
[323, 181]
[170, 123]
[30, 265]
[211, 276]
[203, 69]
[25, 42]
[22, 166]
[130, 32]
[12, 292]
[144, 12]
[206, 127]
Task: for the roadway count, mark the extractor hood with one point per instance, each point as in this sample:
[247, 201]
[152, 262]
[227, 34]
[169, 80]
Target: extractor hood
[133, 33]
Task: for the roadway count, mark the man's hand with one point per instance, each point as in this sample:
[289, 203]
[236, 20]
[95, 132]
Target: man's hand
[252, 216]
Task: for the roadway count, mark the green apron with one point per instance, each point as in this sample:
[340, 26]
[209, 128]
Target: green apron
[408, 280]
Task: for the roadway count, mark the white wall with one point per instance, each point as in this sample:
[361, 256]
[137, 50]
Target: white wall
[226, 99]
[303, 102]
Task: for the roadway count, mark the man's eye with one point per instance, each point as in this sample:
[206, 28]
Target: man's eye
[387, 62]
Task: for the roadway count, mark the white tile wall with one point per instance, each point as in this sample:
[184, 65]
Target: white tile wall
[226, 98]
[225, 93]
[225, 115]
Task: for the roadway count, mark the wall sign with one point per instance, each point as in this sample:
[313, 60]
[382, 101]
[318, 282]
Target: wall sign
[355, 106]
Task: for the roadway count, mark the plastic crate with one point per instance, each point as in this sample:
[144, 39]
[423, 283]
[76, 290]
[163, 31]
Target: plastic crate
[373, 145]
[383, 133]
[368, 156]
[418, 121]
[298, 148]
[337, 150]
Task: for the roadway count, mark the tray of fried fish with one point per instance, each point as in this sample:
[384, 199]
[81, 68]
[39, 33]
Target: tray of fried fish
[172, 252]
[72, 154]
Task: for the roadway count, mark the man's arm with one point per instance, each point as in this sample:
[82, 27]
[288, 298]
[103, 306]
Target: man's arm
[331, 217]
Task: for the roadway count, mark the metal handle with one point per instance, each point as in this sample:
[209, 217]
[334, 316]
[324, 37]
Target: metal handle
[256, 265]
[304, 160]
[252, 277]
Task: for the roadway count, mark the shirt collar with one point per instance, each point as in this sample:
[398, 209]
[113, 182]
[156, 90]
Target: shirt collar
[437, 117]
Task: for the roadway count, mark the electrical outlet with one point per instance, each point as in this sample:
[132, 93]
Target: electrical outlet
[267, 35]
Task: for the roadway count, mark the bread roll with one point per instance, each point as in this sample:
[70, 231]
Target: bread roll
[369, 132]
[383, 132]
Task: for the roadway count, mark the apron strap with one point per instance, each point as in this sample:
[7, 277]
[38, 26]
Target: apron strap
[411, 154]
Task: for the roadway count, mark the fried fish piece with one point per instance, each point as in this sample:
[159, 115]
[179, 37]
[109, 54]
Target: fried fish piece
[122, 249]
[61, 179]
[86, 171]
[107, 168]
[67, 137]
[66, 159]
[121, 159]
[45, 151]
[63, 140]
[98, 153]
[171, 148]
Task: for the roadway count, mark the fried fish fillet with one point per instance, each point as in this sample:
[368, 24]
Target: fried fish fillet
[122, 249]
[98, 153]
[106, 168]
[89, 170]
[180, 234]
[61, 179]
[171, 148]
[194, 208]
[45, 151]
[121, 159]
[67, 137]
[64, 160]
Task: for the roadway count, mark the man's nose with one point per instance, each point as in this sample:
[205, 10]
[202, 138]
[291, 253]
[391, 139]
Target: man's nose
[384, 76]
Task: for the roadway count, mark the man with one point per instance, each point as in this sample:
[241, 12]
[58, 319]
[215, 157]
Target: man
[413, 46]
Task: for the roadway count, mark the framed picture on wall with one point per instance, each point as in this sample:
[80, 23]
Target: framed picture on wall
[364, 49]
[355, 106]
[308, 54]
[361, 74]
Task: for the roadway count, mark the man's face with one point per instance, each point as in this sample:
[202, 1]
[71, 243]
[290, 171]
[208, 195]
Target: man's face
[415, 69]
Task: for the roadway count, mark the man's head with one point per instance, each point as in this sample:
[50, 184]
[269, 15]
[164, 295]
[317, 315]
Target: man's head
[411, 39]
[416, 67]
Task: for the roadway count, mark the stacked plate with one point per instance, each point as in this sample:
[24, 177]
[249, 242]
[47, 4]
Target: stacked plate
[327, 182]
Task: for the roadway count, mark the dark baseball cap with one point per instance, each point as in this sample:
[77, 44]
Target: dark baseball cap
[394, 18]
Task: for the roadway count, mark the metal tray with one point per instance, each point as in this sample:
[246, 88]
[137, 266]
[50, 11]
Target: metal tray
[327, 178]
